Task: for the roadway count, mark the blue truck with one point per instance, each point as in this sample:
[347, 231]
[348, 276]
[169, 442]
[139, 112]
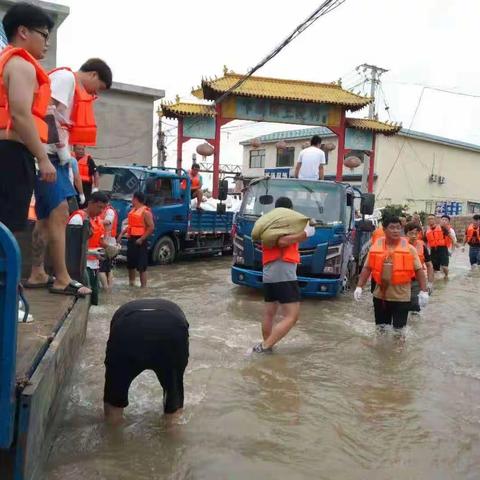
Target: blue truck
[331, 259]
[179, 229]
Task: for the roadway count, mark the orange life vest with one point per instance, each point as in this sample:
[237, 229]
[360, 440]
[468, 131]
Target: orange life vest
[420, 245]
[97, 231]
[195, 182]
[115, 219]
[41, 96]
[378, 233]
[136, 223]
[32, 215]
[83, 127]
[83, 169]
[436, 237]
[472, 233]
[402, 261]
[289, 254]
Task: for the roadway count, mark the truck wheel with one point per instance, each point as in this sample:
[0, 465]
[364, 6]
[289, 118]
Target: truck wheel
[164, 251]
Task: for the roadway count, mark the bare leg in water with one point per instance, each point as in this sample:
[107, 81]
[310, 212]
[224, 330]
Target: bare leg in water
[131, 277]
[290, 312]
[269, 313]
[143, 279]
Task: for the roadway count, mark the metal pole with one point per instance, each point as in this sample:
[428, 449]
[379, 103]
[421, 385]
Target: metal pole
[161, 155]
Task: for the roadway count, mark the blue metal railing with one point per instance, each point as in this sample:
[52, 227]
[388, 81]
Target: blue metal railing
[10, 268]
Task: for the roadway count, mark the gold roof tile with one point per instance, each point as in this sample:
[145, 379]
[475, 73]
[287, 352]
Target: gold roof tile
[374, 125]
[184, 109]
[280, 89]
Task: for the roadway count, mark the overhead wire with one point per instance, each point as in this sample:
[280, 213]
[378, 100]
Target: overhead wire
[403, 144]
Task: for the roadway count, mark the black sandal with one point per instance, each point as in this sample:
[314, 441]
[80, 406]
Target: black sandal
[71, 289]
[46, 284]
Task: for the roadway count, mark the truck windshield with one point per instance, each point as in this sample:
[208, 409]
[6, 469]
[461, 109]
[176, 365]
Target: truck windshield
[120, 183]
[321, 201]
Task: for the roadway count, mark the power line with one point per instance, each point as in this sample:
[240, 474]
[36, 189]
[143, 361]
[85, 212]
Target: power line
[437, 89]
[326, 7]
[404, 141]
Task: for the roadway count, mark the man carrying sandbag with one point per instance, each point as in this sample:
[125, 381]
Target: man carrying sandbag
[280, 231]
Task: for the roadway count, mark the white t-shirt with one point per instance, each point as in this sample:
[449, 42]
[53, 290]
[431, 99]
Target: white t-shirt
[62, 84]
[310, 159]
[94, 264]
[109, 216]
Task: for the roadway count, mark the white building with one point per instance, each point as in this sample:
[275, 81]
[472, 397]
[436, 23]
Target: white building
[412, 168]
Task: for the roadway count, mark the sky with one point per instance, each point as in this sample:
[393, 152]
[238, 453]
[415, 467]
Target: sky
[171, 45]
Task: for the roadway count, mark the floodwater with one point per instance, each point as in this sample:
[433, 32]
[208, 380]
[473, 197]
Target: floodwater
[335, 401]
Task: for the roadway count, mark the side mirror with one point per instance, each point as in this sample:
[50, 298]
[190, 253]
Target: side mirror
[365, 226]
[265, 199]
[221, 208]
[349, 200]
[223, 190]
[367, 204]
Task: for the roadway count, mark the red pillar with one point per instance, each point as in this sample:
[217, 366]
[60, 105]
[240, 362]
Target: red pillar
[340, 131]
[216, 151]
[179, 143]
[371, 170]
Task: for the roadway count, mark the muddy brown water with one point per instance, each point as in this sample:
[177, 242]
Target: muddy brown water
[335, 401]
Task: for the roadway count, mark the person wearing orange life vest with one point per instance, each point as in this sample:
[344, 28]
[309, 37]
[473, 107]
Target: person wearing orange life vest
[24, 99]
[392, 262]
[138, 228]
[109, 218]
[96, 205]
[196, 184]
[439, 238]
[87, 170]
[73, 95]
[411, 230]
[472, 237]
[280, 285]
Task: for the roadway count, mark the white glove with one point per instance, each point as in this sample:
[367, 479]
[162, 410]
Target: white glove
[430, 287]
[423, 299]
[82, 198]
[309, 230]
[94, 189]
[357, 294]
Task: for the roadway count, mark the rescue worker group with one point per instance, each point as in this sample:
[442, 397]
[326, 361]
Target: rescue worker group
[47, 120]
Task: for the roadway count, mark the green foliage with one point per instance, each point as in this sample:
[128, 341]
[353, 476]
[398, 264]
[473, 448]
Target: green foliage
[394, 211]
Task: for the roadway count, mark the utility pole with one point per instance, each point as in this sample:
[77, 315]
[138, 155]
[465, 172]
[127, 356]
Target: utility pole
[161, 148]
[373, 74]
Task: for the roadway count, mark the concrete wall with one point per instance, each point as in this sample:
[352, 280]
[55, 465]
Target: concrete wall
[125, 128]
[58, 13]
[408, 181]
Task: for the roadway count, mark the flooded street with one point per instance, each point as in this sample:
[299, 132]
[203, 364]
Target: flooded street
[335, 401]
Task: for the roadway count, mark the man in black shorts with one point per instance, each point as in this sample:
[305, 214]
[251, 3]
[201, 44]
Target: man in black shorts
[280, 285]
[147, 334]
[24, 98]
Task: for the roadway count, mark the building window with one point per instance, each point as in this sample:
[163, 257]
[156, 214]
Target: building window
[257, 158]
[285, 157]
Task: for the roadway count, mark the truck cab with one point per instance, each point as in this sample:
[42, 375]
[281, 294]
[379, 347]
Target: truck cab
[179, 229]
[330, 259]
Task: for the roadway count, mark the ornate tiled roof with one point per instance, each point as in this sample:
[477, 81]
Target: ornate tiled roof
[183, 109]
[374, 125]
[280, 89]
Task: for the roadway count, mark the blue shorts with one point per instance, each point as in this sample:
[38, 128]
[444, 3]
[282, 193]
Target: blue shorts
[49, 196]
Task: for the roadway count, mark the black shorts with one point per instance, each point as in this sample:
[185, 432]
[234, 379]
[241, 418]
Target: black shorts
[440, 257]
[137, 255]
[391, 313]
[106, 265]
[149, 334]
[282, 292]
[16, 184]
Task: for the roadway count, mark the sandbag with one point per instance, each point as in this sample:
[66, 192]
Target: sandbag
[278, 223]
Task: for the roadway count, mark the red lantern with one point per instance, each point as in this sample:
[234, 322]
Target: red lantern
[352, 162]
[255, 142]
[281, 145]
[205, 150]
[328, 147]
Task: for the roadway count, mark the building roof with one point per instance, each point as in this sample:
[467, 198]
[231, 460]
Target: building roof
[184, 109]
[60, 12]
[307, 133]
[300, 134]
[281, 89]
[154, 93]
[372, 125]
